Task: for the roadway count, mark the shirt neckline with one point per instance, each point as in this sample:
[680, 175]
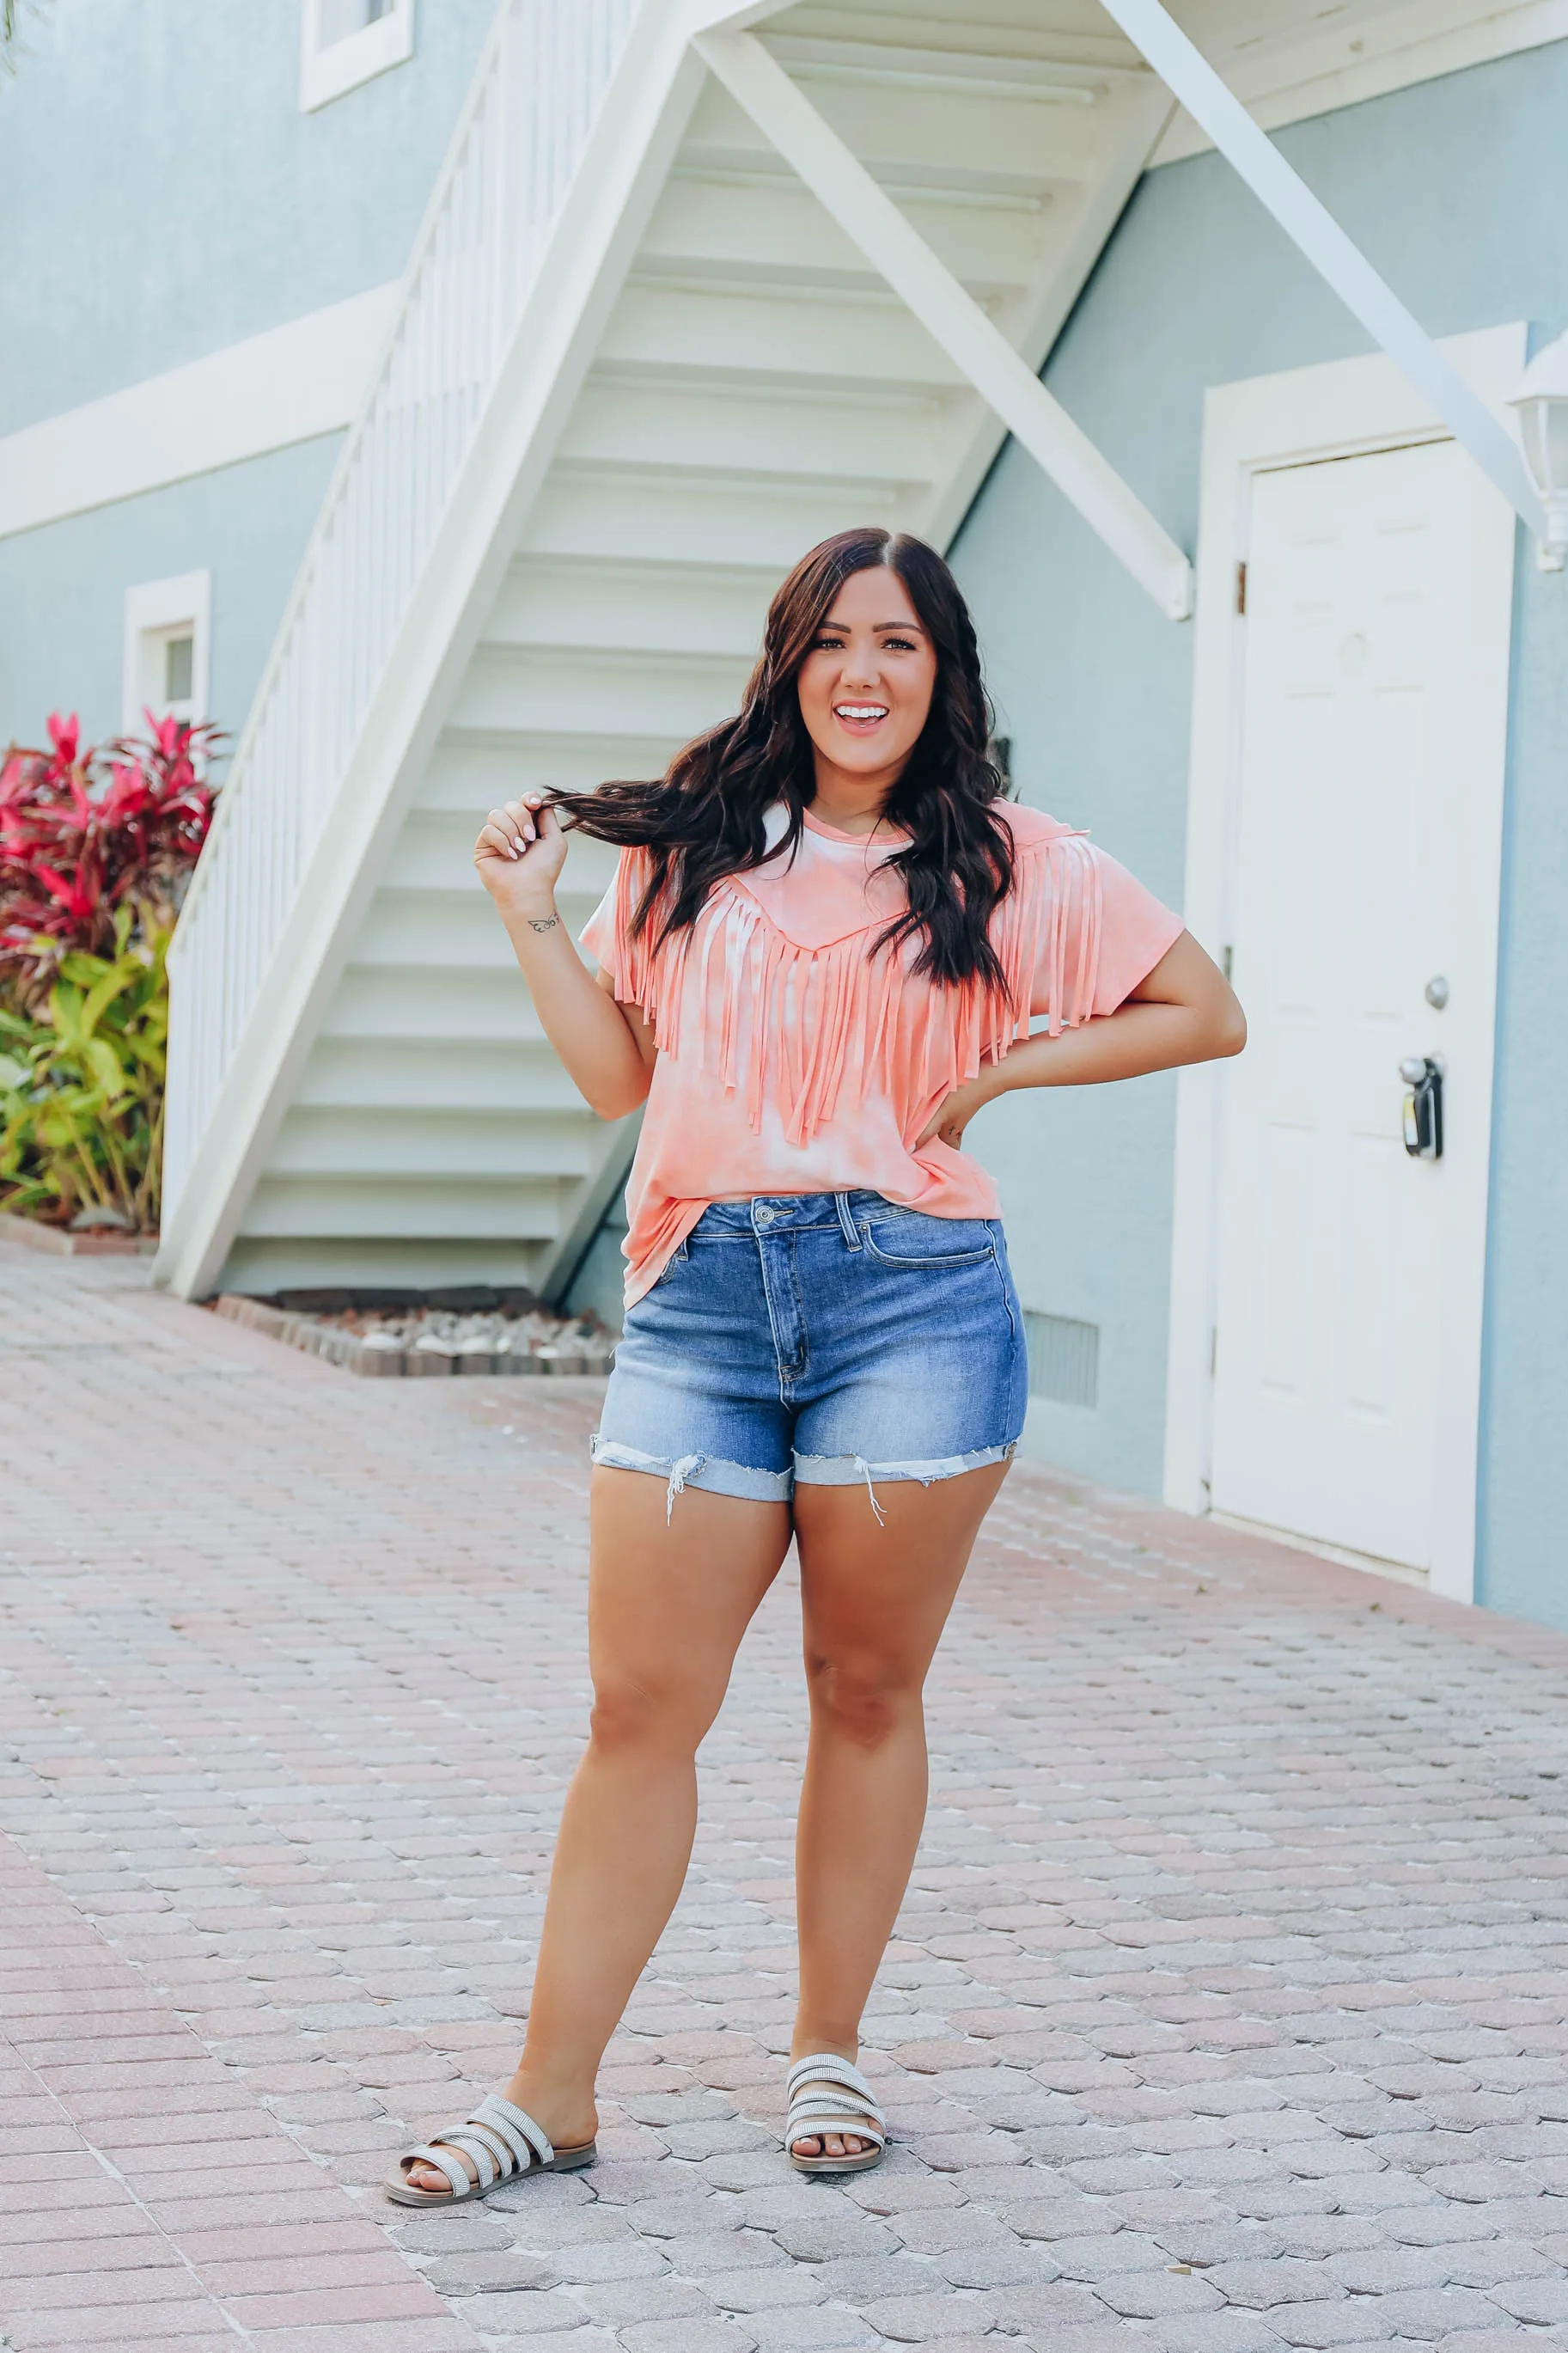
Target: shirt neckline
[889, 841]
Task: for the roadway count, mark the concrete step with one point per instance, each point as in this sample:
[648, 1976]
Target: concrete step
[520, 689]
[807, 343]
[440, 1146]
[755, 434]
[630, 521]
[755, 232]
[444, 1208]
[441, 1078]
[650, 608]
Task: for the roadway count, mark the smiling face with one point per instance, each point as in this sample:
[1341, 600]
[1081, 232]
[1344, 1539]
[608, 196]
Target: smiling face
[866, 685]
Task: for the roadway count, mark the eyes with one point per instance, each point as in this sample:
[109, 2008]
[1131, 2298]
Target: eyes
[831, 642]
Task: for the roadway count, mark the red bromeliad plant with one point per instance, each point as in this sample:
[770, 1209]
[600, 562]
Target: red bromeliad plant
[84, 833]
[96, 849]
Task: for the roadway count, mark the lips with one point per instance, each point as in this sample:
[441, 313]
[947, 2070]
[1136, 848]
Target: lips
[860, 717]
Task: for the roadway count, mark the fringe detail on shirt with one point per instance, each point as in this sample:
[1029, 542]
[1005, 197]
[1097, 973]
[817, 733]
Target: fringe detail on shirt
[818, 1018]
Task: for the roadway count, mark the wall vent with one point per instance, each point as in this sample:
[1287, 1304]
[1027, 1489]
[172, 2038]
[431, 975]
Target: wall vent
[1063, 1359]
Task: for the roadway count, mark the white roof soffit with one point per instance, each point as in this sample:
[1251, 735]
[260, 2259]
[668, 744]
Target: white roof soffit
[951, 316]
[1281, 191]
[841, 183]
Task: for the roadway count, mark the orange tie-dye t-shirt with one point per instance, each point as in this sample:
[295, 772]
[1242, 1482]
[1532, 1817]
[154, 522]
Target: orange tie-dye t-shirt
[792, 1059]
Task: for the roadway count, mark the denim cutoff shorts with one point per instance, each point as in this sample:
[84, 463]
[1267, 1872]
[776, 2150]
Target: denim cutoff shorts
[828, 1338]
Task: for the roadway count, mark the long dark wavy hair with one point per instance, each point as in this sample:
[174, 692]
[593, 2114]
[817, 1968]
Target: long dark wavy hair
[704, 819]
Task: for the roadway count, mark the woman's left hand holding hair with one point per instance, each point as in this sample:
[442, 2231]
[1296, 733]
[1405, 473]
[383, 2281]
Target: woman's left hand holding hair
[605, 1046]
[520, 853]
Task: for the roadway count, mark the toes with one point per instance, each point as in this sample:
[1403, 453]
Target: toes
[425, 2175]
[830, 2145]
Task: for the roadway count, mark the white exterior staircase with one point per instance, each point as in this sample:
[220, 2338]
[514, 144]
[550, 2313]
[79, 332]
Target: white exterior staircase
[638, 370]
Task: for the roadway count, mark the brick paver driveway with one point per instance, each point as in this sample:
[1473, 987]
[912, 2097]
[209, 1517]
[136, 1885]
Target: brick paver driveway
[1227, 2011]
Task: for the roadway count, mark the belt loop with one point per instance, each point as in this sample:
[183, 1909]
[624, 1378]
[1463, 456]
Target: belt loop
[841, 1203]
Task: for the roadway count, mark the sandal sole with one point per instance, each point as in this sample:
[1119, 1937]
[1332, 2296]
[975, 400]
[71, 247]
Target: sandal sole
[864, 2163]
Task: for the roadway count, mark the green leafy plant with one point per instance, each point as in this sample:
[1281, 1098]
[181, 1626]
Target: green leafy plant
[81, 1088]
[96, 850]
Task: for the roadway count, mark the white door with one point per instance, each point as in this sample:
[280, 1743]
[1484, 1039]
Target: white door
[1370, 779]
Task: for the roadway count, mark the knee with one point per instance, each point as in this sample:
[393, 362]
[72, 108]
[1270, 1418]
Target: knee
[861, 1697]
[629, 1713]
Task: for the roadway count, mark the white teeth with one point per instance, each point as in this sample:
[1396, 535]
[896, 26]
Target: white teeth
[860, 710]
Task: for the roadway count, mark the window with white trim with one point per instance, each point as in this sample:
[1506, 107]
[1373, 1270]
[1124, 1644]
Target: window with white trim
[167, 629]
[346, 42]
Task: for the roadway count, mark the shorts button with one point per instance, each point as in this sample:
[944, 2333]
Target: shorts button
[764, 1217]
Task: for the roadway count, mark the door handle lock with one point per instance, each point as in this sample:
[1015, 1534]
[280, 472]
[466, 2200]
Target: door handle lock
[1423, 1122]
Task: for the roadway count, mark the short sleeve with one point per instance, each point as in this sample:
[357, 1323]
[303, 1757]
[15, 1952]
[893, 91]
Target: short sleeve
[598, 933]
[610, 937]
[1135, 931]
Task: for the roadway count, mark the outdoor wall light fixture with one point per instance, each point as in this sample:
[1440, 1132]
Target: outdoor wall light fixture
[1541, 405]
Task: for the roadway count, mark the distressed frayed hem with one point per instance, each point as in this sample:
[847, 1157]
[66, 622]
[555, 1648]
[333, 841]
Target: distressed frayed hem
[709, 1473]
[849, 1469]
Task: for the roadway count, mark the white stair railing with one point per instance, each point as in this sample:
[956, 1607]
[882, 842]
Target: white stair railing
[544, 74]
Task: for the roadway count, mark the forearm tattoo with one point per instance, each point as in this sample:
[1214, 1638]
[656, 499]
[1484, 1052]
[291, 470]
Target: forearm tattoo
[543, 922]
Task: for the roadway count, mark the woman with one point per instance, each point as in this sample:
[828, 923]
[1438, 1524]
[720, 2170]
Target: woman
[826, 939]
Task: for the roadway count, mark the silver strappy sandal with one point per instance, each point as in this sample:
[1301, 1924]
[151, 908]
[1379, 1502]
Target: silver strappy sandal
[813, 2111]
[504, 2143]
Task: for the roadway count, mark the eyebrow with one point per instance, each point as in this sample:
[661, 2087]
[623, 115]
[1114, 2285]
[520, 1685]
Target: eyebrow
[879, 626]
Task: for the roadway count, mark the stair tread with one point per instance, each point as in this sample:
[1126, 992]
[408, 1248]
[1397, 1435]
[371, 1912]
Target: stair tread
[705, 276]
[736, 481]
[907, 179]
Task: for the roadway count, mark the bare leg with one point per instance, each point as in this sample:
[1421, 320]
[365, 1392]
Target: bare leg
[876, 1599]
[668, 1605]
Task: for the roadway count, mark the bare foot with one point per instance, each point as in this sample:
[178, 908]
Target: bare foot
[568, 2121]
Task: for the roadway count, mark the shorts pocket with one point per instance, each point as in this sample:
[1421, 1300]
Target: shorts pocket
[911, 1238]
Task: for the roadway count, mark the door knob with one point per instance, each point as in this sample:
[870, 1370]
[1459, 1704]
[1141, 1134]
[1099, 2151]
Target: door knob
[1422, 1114]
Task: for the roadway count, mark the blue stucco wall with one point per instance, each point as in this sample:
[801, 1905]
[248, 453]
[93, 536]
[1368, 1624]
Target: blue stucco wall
[1523, 1563]
[163, 196]
[1458, 190]
[62, 589]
